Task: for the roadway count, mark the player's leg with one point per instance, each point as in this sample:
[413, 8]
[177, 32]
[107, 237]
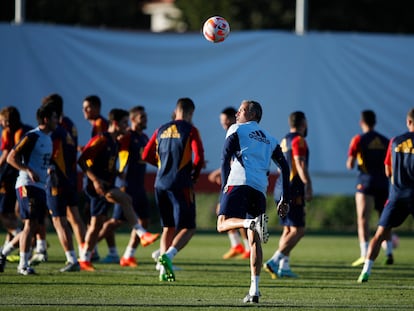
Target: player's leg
[115, 195]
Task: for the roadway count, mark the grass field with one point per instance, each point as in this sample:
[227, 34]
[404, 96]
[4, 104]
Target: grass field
[326, 282]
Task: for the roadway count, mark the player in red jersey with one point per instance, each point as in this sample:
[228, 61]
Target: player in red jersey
[98, 162]
[368, 151]
[399, 167]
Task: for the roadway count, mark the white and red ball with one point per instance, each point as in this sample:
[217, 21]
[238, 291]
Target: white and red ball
[216, 29]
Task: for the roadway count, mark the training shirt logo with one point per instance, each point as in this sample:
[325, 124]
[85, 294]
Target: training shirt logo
[170, 132]
[259, 136]
[405, 147]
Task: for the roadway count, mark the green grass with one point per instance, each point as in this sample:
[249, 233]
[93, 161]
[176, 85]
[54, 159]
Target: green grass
[327, 281]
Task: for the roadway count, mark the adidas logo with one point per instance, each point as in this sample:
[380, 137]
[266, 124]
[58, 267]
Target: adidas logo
[259, 136]
[376, 144]
[170, 132]
[405, 147]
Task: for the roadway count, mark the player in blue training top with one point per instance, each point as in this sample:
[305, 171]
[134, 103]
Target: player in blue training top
[177, 150]
[31, 156]
[70, 159]
[296, 152]
[368, 150]
[399, 167]
[12, 131]
[246, 158]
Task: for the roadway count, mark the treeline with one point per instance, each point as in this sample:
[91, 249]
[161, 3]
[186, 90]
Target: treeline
[381, 16]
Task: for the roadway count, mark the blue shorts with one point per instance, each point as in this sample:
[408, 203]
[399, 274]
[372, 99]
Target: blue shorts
[59, 199]
[32, 203]
[296, 215]
[177, 208]
[373, 186]
[139, 203]
[98, 205]
[7, 199]
[395, 212]
[242, 202]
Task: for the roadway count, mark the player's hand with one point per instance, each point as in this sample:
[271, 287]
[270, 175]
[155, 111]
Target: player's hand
[283, 208]
[32, 175]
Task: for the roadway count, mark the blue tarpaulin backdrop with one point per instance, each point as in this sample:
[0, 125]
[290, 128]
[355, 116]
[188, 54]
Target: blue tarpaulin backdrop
[330, 76]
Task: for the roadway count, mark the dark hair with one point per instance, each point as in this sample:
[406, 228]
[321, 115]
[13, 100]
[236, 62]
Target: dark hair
[45, 111]
[94, 100]
[136, 109]
[56, 100]
[296, 118]
[12, 115]
[186, 104]
[410, 114]
[255, 108]
[117, 114]
[369, 118]
[230, 112]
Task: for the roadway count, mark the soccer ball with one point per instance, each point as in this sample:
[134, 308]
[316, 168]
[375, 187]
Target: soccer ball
[216, 29]
[395, 241]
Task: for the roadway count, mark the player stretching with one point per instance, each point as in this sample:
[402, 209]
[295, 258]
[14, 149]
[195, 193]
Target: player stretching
[98, 161]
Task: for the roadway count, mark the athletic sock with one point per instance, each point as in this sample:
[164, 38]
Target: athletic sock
[363, 246]
[71, 256]
[388, 249]
[234, 238]
[254, 285]
[277, 256]
[171, 252]
[140, 230]
[367, 266]
[129, 252]
[284, 263]
[247, 222]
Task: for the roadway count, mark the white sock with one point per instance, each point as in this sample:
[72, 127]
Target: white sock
[85, 255]
[71, 256]
[234, 238]
[7, 249]
[24, 260]
[246, 245]
[388, 250]
[129, 252]
[284, 263]
[140, 230]
[254, 285]
[41, 246]
[363, 246]
[171, 252]
[367, 266]
[277, 256]
[247, 222]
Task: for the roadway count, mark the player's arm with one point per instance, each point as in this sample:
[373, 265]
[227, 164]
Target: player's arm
[198, 153]
[86, 160]
[280, 160]
[149, 154]
[352, 152]
[215, 177]
[231, 148]
[299, 150]
[387, 161]
[5, 146]
[15, 158]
